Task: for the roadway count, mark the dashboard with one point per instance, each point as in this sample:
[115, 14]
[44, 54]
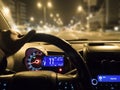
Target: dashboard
[104, 64]
[37, 57]
[103, 61]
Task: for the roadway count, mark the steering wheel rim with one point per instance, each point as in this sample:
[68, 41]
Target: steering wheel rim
[83, 72]
[71, 52]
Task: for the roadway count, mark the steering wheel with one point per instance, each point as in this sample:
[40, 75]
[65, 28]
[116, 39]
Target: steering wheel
[45, 80]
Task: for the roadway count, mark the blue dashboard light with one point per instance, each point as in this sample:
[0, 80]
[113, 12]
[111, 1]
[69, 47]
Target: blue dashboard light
[108, 78]
[53, 61]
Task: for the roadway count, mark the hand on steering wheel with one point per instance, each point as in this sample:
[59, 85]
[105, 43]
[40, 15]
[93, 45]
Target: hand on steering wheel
[10, 42]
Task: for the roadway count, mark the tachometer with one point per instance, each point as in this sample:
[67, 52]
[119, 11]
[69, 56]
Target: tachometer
[33, 59]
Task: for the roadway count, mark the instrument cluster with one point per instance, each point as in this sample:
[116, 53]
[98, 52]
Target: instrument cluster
[36, 60]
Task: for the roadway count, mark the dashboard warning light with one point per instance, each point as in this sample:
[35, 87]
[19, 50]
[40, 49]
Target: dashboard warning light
[60, 69]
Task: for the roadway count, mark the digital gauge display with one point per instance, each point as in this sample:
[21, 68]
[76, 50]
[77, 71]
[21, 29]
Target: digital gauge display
[108, 78]
[36, 60]
[53, 61]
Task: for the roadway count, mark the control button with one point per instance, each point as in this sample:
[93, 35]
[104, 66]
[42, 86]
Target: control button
[4, 84]
[112, 88]
[59, 83]
[94, 82]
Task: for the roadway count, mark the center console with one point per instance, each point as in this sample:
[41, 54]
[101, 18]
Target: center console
[104, 66]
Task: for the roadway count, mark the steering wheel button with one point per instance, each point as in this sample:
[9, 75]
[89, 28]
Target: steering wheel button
[60, 83]
[4, 84]
[65, 88]
[94, 82]
[66, 83]
[112, 88]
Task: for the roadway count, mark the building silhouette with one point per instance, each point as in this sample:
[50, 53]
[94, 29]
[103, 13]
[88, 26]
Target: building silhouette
[18, 10]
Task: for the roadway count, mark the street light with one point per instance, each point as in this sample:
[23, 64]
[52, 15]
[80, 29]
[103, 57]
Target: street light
[79, 8]
[39, 5]
[41, 22]
[32, 19]
[6, 10]
[51, 15]
[49, 5]
[71, 21]
[90, 15]
[57, 15]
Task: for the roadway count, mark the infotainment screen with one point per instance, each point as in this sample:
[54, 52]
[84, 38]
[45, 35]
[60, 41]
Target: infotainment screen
[108, 78]
[53, 61]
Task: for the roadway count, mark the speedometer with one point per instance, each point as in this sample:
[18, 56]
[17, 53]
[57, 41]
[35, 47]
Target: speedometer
[33, 59]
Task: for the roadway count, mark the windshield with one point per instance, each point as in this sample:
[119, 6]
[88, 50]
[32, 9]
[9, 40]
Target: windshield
[67, 19]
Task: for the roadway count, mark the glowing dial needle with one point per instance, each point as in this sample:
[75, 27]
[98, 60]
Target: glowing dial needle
[36, 62]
